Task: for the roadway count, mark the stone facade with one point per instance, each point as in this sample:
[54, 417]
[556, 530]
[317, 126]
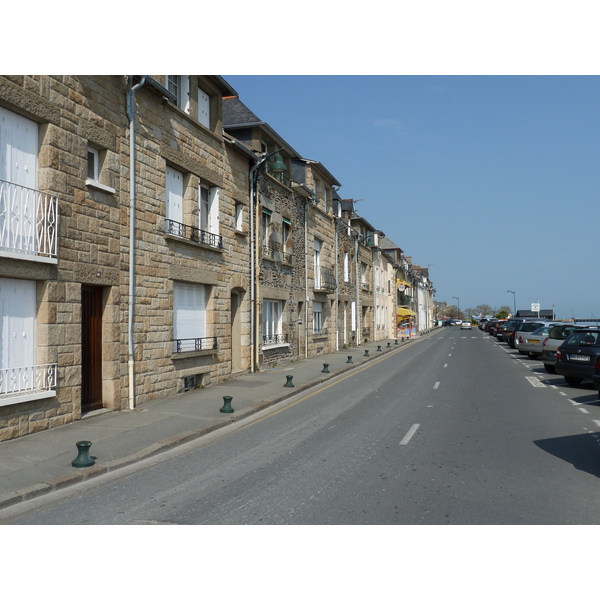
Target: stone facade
[237, 265]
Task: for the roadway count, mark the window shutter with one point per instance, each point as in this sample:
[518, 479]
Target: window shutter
[17, 309]
[174, 193]
[189, 303]
[18, 149]
[214, 210]
[203, 108]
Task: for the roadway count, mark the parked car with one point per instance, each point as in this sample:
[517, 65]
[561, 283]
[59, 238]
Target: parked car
[466, 325]
[558, 334]
[576, 356]
[524, 328]
[457, 322]
[499, 329]
[509, 331]
[531, 343]
[482, 323]
[494, 325]
[489, 324]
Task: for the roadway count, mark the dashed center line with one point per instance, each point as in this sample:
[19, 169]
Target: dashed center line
[409, 435]
[436, 385]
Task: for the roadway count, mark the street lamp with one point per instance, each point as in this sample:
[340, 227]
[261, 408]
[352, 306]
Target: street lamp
[514, 301]
[458, 302]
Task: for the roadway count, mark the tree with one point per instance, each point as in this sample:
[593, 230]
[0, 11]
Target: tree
[484, 310]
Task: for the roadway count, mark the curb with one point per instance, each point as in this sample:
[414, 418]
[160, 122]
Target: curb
[64, 481]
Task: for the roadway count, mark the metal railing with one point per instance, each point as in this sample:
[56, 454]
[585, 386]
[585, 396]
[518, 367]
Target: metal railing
[326, 280]
[195, 344]
[28, 220]
[187, 232]
[267, 251]
[34, 378]
[275, 338]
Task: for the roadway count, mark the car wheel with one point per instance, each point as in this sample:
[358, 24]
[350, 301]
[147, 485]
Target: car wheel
[572, 380]
[550, 369]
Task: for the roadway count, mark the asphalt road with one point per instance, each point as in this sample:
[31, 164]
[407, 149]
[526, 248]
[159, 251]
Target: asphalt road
[457, 429]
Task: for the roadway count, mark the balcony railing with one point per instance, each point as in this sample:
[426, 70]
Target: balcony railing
[35, 378]
[187, 232]
[28, 221]
[275, 338]
[326, 280]
[194, 344]
[267, 251]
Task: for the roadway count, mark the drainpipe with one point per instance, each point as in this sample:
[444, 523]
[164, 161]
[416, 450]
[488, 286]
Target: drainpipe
[131, 117]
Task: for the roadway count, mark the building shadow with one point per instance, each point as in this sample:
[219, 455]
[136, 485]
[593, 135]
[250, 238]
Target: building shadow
[582, 451]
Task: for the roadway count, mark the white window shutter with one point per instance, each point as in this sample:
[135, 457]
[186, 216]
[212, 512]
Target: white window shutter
[17, 322]
[174, 193]
[203, 108]
[214, 210]
[189, 318]
[18, 149]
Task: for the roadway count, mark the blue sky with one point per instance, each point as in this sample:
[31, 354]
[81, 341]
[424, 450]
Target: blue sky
[491, 180]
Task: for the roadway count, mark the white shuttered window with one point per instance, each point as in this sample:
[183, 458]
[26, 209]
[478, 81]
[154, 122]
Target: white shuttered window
[189, 319]
[17, 323]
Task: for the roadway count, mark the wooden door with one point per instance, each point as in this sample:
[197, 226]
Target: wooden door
[91, 350]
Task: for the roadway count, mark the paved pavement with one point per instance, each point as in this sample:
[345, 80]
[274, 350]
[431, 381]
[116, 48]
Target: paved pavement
[41, 462]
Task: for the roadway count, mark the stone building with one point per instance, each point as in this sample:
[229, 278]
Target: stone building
[101, 310]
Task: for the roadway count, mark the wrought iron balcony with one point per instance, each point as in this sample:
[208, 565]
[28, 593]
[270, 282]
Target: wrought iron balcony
[326, 280]
[187, 232]
[275, 338]
[35, 378]
[28, 221]
[267, 252]
[195, 344]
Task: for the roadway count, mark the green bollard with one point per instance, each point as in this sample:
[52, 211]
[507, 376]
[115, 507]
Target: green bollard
[389, 344]
[325, 368]
[83, 458]
[227, 408]
[378, 348]
[366, 353]
[396, 342]
[289, 383]
[349, 361]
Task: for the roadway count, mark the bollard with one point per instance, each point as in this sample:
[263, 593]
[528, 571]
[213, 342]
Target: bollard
[349, 361]
[366, 353]
[227, 408]
[378, 348]
[289, 383]
[395, 342]
[83, 458]
[325, 368]
[389, 344]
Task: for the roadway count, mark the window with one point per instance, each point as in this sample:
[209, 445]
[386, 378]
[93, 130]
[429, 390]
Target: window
[179, 85]
[189, 317]
[239, 216]
[346, 267]
[203, 108]
[17, 325]
[317, 317]
[317, 263]
[93, 164]
[353, 317]
[285, 233]
[266, 229]
[272, 311]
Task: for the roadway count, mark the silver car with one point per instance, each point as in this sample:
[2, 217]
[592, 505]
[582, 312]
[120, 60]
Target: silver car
[530, 342]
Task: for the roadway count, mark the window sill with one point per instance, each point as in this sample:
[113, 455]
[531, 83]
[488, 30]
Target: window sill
[193, 354]
[241, 233]
[20, 255]
[99, 186]
[273, 346]
[21, 398]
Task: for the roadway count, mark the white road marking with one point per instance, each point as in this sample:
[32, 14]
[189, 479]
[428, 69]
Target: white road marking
[535, 382]
[436, 385]
[409, 435]
[583, 410]
[597, 422]
[445, 365]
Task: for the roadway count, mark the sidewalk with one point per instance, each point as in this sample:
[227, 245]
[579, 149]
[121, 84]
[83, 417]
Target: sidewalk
[41, 462]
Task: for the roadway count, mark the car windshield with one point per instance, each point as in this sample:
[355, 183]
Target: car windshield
[584, 338]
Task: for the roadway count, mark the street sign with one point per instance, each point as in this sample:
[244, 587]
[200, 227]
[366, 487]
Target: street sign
[535, 307]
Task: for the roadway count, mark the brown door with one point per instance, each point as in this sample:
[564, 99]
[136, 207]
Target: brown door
[91, 347]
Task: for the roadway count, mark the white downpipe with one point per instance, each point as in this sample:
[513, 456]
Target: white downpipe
[131, 116]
